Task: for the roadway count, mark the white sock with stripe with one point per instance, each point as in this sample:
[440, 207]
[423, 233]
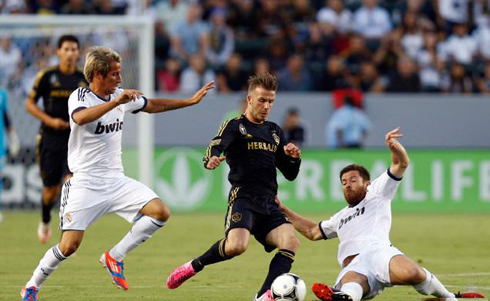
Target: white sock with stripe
[352, 289]
[432, 286]
[141, 231]
[48, 264]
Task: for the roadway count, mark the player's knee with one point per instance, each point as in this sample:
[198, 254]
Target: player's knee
[413, 275]
[235, 249]
[69, 248]
[163, 214]
[292, 243]
[50, 194]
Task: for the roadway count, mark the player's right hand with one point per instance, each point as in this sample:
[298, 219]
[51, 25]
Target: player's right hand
[214, 162]
[58, 124]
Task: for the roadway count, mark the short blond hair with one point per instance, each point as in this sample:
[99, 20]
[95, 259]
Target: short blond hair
[99, 60]
[266, 81]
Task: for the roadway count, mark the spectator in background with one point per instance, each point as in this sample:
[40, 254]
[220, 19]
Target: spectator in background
[293, 129]
[190, 36]
[13, 141]
[335, 16]
[460, 47]
[409, 35]
[372, 22]
[386, 57]
[430, 66]
[457, 80]
[294, 77]
[356, 54]
[195, 74]
[333, 77]
[348, 126]
[261, 66]
[405, 79]
[104, 7]
[169, 77]
[484, 82]
[368, 79]
[221, 39]
[452, 12]
[9, 7]
[77, 7]
[231, 78]
[171, 12]
[45, 7]
[10, 58]
[318, 47]
[278, 52]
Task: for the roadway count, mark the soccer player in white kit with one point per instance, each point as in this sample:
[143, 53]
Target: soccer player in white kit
[369, 261]
[99, 185]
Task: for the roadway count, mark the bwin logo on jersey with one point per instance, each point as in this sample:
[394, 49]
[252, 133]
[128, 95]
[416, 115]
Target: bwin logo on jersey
[351, 217]
[108, 128]
[180, 178]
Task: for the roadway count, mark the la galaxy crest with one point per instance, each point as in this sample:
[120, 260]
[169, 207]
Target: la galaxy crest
[276, 137]
[242, 129]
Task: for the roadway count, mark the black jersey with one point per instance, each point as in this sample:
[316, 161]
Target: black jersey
[55, 87]
[253, 152]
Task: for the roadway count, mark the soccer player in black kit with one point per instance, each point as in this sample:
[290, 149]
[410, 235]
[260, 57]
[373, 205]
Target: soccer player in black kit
[54, 85]
[253, 148]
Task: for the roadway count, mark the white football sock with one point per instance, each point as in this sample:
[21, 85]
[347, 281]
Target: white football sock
[432, 286]
[48, 264]
[352, 289]
[141, 231]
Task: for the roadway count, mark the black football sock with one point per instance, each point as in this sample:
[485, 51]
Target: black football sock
[280, 264]
[46, 212]
[215, 254]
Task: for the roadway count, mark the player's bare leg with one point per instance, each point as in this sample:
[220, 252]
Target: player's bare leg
[403, 271]
[69, 243]
[49, 197]
[284, 238]
[155, 214]
[235, 243]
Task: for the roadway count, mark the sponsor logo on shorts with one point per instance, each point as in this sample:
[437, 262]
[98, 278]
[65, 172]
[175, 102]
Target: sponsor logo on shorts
[237, 216]
[68, 217]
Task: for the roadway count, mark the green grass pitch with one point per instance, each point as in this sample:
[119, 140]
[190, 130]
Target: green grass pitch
[454, 247]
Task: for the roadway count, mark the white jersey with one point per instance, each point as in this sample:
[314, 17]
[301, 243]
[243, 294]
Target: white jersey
[94, 149]
[367, 224]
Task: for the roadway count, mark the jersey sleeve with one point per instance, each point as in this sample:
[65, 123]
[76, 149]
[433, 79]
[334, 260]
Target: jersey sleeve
[226, 135]
[328, 228]
[136, 106]
[385, 185]
[77, 101]
[288, 165]
[39, 86]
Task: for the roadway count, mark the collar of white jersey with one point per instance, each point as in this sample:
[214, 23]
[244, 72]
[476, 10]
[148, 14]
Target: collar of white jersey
[100, 97]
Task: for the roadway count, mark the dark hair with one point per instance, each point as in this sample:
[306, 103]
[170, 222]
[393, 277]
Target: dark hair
[68, 38]
[363, 172]
[266, 81]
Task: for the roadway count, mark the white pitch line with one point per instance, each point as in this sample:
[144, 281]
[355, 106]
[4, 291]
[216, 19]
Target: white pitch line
[464, 274]
[469, 287]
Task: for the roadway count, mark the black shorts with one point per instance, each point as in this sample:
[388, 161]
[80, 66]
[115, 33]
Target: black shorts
[52, 157]
[258, 213]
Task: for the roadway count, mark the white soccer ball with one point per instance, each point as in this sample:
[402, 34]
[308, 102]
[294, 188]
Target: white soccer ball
[288, 287]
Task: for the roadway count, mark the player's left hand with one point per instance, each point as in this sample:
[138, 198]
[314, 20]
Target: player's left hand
[279, 203]
[292, 150]
[202, 92]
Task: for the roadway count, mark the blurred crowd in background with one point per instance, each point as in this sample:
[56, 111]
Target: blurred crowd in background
[439, 46]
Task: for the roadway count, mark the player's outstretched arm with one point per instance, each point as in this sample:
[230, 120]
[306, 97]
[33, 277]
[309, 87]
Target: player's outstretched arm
[55, 123]
[88, 115]
[399, 156]
[306, 227]
[158, 105]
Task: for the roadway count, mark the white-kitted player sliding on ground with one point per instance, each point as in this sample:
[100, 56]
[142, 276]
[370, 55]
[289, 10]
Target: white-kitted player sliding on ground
[369, 261]
[99, 185]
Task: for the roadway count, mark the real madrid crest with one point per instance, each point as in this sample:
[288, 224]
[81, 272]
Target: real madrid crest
[276, 138]
[242, 129]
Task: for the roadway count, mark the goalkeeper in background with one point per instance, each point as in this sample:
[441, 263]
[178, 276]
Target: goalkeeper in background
[13, 141]
[54, 85]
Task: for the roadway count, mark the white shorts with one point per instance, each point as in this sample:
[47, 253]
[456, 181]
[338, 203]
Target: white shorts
[85, 200]
[375, 265]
